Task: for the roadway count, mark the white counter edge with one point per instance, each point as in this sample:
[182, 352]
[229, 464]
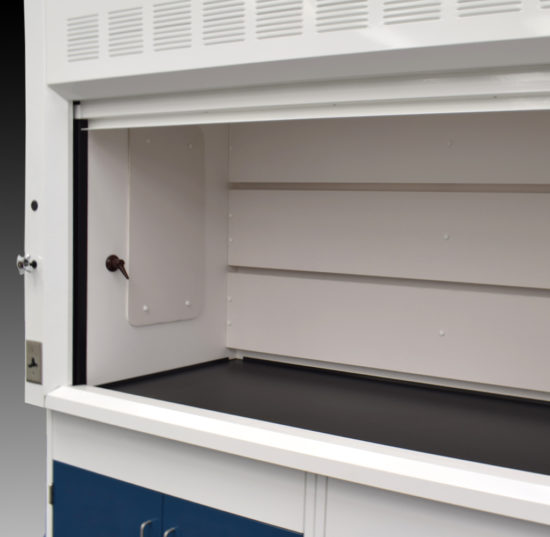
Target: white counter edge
[492, 489]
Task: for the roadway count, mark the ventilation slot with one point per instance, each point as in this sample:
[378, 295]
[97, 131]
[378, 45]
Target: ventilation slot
[406, 11]
[278, 18]
[126, 31]
[223, 21]
[545, 4]
[338, 15]
[473, 8]
[172, 25]
[83, 38]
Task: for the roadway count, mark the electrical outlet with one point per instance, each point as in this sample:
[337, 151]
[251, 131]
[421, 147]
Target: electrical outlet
[34, 361]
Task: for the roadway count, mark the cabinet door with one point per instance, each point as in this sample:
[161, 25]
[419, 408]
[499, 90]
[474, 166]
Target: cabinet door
[92, 505]
[357, 511]
[195, 520]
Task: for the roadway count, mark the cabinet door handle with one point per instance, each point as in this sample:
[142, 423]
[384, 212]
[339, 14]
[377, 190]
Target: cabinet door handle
[168, 532]
[143, 526]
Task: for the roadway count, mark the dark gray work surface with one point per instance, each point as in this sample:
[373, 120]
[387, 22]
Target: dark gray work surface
[514, 433]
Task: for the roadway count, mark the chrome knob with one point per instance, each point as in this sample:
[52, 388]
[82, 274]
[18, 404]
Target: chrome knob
[26, 264]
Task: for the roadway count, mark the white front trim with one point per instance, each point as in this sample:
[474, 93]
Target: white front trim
[501, 491]
[429, 94]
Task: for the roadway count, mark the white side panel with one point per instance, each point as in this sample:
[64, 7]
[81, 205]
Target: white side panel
[34, 183]
[166, 225]
[355, 511]
[115, 349]
[478, 238]
[48, 290]
[470, 148]
[479, 335]
[271, 494]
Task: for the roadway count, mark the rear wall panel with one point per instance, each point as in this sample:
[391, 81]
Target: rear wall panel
[446, 148]
[457, 332]
[496, 239]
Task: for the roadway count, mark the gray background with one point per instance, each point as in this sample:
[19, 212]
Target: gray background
[22, 427]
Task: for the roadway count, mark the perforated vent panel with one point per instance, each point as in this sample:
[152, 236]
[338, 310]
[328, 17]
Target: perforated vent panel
[472, 8]
[172, 25]
[125, 31]
[278, 18]
[223, 21]
[338, 15]
[133, 37]
[83, 38]
[407, 11]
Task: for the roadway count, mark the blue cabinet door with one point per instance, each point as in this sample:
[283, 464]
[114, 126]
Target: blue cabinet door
[92, 505]
[195, 520]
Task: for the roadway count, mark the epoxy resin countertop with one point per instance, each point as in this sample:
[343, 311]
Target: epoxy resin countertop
[500, 431]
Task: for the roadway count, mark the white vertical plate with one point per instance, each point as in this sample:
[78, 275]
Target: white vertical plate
[166, 227]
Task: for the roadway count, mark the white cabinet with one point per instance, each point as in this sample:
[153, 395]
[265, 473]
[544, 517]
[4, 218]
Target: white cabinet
[357, 511]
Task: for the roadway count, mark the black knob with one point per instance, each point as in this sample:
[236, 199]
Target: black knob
[114, 263]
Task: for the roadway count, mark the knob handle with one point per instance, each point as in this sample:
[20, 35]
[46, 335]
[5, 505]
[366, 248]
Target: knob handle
[114, 263]
[25, 264]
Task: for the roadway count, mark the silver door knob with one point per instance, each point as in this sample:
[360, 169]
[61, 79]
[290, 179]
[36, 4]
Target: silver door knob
[169, 532]
[26, 264]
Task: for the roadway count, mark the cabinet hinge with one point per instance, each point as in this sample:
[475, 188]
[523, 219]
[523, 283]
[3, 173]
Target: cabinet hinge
[50, 494]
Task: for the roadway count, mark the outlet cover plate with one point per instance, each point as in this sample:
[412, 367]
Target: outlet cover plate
[34, 361]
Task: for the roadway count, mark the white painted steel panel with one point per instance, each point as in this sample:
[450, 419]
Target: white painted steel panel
[265, 492]
[242, 37]
[475, 334]
[447, 148]
[115, 349]
[355, 511]
[486, 91]
[166, 225]
[48, 231]
[493, 489]
[326, 110]
[34, 185]
[462, 237]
